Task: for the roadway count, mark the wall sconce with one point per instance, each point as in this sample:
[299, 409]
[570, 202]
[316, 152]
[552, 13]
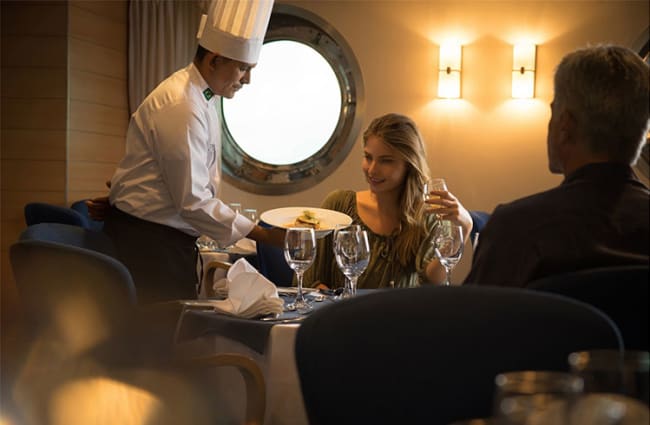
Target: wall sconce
[523, 71]
[449, 71]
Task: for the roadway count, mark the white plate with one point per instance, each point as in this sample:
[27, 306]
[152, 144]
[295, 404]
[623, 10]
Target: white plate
[286, 217]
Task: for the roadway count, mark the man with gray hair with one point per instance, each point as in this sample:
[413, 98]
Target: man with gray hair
[598, 215]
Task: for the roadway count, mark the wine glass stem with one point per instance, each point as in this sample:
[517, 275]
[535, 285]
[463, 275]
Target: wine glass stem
[447, 276]
[353, 285]
[299, 296]
[347, 289]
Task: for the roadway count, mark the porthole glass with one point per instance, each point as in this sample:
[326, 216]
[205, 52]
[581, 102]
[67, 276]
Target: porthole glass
[304, 112]
[301, 114]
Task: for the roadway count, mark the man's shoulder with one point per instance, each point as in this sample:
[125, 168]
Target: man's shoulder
[532, 204]
[177, 89]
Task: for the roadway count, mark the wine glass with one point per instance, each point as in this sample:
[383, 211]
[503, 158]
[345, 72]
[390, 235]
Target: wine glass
[448, 246]
[337, 228]
[433, 184]
[610, 371]
[526, 397]
[251, 214]
[236, 207]
[352, 252]
[299, 252]
[436, 183]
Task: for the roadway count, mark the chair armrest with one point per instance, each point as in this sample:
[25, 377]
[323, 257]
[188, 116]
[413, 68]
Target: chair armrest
[253, 380]
[215, 264]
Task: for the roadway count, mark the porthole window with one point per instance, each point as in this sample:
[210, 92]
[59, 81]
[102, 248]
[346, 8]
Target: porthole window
[300, 116]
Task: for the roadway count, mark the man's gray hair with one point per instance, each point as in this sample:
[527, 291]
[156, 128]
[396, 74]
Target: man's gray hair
[606, 89]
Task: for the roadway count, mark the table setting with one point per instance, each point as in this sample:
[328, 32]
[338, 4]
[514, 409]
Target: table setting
[249, 314]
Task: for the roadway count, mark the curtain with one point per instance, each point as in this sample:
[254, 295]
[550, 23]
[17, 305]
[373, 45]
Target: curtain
[162, 40]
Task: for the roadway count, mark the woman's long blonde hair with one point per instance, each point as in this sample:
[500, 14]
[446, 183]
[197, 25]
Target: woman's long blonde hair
[400, 133]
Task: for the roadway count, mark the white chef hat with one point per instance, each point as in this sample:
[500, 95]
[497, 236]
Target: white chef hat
[235, 28]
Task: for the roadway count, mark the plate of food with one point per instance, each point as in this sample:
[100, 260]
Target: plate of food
[322, 220]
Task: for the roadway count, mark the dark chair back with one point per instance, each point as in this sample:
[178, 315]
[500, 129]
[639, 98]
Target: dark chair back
[51, 277]
[621, 292]
[70, 235]
[40, 212]
[81, 207]
[272, 263]
[430, 354]
[86, 325]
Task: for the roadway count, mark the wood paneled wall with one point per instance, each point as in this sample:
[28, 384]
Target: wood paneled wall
[64, 108]
[98, 106]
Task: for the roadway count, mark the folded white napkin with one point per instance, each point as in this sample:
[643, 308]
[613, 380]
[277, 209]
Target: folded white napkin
[249, 293]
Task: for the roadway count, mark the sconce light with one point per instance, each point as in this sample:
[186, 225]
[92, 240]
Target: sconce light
[449, 71]
[523, 71]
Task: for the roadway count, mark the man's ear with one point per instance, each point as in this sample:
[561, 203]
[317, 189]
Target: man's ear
[568, 126]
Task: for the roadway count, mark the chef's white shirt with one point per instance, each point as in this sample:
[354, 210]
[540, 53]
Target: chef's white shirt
[171, 171]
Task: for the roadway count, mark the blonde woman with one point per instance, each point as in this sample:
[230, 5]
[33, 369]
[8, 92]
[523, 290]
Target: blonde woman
[392, 211]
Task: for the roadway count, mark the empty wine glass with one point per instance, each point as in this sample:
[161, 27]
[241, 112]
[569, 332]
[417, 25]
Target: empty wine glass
[300, 252]
[448, 246]
[236, 207]
[206, 243]
[352, 252]
[352, 227]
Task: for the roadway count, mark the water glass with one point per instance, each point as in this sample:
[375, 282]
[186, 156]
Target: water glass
[526, 397]
[612, 371]
[608, 409]
[251, 214]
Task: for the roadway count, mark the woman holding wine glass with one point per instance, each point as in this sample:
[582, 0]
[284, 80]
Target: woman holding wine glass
[398, 221]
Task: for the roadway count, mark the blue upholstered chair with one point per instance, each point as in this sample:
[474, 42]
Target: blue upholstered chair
[40, 212]
[47, 273]
[479, 219]
[272, 263]
[70, 235]
[81, 207]
[429, 355]
[621, 292]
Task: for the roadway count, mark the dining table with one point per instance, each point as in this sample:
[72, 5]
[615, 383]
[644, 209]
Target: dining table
[269, 341]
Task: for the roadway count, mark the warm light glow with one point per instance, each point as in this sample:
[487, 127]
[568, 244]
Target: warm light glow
[101, 400]
[449, 68]
[523, 71]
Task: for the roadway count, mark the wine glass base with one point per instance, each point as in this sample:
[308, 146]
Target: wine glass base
[301, 306]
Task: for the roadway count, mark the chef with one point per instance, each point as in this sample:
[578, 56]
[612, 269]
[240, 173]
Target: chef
[165, 191]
